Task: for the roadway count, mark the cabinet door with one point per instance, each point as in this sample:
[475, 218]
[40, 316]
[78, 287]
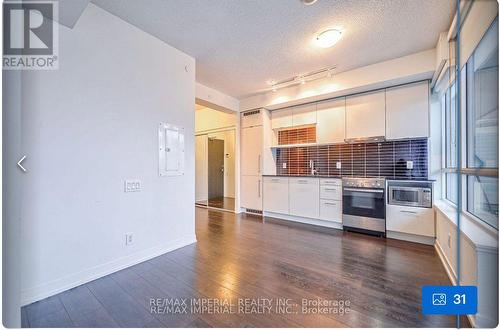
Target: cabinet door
[304, 115]
[281, 118]
[251, 150]
[276, 195]
[304, 197]
[410, 220]
[330, 210]
[251, 192]
[407, 111]
[330, 126]
[330, 192]
[365, 115]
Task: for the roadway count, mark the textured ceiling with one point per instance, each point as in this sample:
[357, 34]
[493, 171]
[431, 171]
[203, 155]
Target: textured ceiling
[240, 44]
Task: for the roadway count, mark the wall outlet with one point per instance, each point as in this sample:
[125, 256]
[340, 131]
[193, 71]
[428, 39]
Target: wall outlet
[132, 185]
[129, 238]
[338, 165]
[284, 165]
[409, 164]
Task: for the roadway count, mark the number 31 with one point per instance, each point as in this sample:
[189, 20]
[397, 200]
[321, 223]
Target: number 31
[459, 299]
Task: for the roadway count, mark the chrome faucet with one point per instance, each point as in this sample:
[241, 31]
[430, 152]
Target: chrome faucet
[311, 166]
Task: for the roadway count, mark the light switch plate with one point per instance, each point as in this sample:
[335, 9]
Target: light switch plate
[284, 165]
[338, 165]
[409, 164]
[132, 185]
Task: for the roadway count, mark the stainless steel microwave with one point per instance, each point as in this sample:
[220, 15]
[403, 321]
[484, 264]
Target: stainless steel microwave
[408, 193]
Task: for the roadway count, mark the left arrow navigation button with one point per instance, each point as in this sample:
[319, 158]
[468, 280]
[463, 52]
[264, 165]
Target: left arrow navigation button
[19, 163]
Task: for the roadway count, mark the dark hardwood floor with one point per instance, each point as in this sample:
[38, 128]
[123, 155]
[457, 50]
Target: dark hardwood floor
[246, 257]
[225, 203]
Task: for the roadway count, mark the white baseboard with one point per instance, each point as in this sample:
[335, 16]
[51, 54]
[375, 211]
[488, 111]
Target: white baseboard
[451, 274]
[51, 288]
[410, 237]
[309, 221]
[446, 263]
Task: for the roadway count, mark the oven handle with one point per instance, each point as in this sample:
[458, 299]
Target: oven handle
[365, 190]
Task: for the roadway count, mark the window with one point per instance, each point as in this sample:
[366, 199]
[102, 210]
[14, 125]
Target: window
[451, 192]
[482, 199]
[482, 129]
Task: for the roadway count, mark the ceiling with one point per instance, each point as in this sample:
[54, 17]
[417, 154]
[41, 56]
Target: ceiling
[241, 44]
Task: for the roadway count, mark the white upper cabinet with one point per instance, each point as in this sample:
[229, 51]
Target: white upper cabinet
[407, 109]
[365, 115]
[330, 127]
[251, 150]
[304, 115]
[251, 118]
[281, 118]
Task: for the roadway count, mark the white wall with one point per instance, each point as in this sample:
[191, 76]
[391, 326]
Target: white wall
[86, 128]
[207, 119]
[401, 70]
[213, 98]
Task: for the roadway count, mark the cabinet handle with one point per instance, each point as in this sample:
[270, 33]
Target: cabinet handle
[331, 189]
[258, 165]
[302, 181]
[328, 203]
[275, 180]
[411, 212]
[259, 189]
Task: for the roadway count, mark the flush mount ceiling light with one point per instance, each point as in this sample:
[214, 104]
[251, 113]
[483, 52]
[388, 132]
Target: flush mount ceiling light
[328, 38]
[308, 2]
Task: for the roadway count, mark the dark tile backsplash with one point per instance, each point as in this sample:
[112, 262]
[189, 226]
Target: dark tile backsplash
[383, 159]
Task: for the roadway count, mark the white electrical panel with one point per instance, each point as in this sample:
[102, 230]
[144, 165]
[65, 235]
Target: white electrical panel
[171, 150]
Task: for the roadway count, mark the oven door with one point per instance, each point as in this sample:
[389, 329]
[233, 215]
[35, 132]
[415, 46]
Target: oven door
[368, 203]
[406, 196]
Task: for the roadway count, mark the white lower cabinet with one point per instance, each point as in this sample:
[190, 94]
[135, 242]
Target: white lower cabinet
[251, 192]
[410, 220]
[330, 210]
[275, 195]
[304, 197]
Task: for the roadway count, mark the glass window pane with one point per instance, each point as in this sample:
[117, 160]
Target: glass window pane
[482, 102]
[451, 127]
[482, 198]
[451, 187]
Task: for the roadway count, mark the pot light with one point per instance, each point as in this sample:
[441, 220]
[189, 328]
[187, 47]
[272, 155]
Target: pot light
[328, 38]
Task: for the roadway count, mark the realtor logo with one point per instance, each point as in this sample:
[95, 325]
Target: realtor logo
[29, 35]
[439, 299]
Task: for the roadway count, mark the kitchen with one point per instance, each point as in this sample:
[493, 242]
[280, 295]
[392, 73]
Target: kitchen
[334, 161]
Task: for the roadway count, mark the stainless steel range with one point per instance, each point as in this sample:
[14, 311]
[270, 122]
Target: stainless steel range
[363, 205]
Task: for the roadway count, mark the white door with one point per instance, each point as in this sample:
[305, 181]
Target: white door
[251, 150]
[275, 197]
[281, 118]
[304, 197]
[365, 115]
[304, 115]
[251, 192]
[330, 126]
[407, 111]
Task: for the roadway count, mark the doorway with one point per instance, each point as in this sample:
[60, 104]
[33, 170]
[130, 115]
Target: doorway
[215, 158]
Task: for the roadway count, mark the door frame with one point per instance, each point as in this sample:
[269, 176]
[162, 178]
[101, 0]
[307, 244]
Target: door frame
[235, 129]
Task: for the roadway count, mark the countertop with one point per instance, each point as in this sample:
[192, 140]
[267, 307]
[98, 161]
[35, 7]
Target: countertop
[339, 177]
